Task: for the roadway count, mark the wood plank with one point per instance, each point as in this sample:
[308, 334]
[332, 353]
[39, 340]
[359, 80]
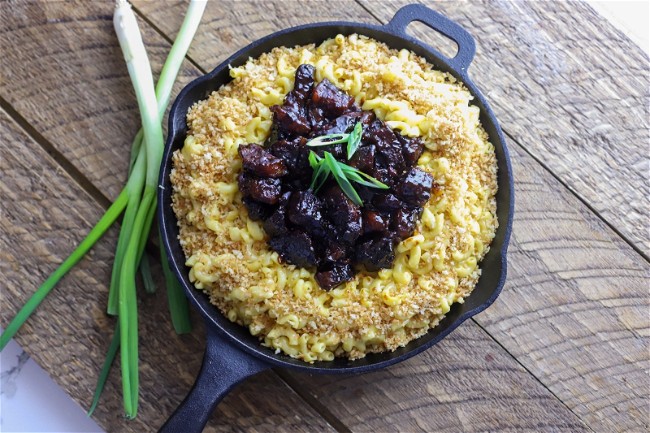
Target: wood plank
[44, 215]
[570, 88]
[466, 383]
[347, 401]
[575, 309]
[230, 25]
[67, 77]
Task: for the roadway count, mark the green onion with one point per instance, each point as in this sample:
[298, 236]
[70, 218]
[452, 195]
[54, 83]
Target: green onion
[321, 171]
[145, 273]
[106, 368]
[326, 140]
[343, 181]
[314, 160]
[355, 139]
[342, 173]
[178, 306]
[358, 177]
[140, 208]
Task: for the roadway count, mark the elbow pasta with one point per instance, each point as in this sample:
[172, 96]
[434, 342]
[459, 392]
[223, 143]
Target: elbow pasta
[227, 252]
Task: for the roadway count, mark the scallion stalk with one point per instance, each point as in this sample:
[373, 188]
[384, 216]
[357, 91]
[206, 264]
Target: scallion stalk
[139, 199]
[137, 62]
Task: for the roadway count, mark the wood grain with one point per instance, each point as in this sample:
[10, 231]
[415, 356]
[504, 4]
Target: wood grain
[570, 88]
[465, 383]
[229, 25]
[43, 216]
[575, 308]
[68, 78]
[584, 268]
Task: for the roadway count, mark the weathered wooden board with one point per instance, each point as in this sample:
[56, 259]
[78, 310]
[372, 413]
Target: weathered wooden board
[571, 89]
[62, 69]
[229, 25]
[43, 216]
[575, 311]
[465, 383]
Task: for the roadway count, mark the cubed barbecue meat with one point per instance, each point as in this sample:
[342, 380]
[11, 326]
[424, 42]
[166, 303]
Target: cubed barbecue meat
[391, 159]
[364, 158]
[304, 82]
[404, 222]
[387, 202]
[257, 211]
[291, 119]
[412, 148]
[276, 224]
[305, 210]
[316, 116]
[380, 134]
[375, 221]
[338, 274]
[344, 215]
[375, 254]
[330, 99]
[264, 190]
[261, 163]
[295, 156]
[340, 125]
[415, 188]
[367, 117]
[334, 252]
[296, 248]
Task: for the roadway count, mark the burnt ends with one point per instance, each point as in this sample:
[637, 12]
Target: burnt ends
[325, 231]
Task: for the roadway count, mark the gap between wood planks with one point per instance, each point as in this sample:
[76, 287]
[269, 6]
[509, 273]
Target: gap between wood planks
[98, 196]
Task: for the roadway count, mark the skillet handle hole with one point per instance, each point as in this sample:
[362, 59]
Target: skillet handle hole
[446, 46]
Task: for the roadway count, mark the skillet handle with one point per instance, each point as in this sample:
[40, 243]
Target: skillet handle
[224, 366]
[439, 23]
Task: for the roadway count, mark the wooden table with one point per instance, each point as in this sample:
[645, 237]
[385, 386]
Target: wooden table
[564, 348]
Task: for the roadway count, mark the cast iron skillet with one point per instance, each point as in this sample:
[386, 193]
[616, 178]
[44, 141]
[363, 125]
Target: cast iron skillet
[232, 354]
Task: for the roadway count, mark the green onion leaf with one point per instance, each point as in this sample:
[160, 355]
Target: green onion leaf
[343, 181]
[357, 176]
[314, 160]
[145, 273]
[355, 139]
[320, 172]
[326, 140]
[324, 174]
[106, 368]
[178, 306]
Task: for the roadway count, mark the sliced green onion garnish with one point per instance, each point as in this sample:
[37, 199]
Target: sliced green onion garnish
[343, 181]
[355, 139]
[326, 140]
[358, 175]
[314, 160]
[321, 172]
